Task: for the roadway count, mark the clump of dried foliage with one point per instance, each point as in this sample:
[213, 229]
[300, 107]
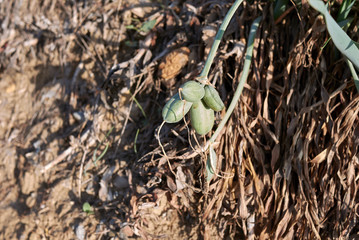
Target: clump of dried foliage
[80, 121]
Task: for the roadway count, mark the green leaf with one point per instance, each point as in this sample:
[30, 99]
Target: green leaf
[242, 79]
[147, 26]
[86, 207]
[129, 43]
[217, 39]
[131, 27]
[139, 105]
[279, 8]
[341, 40]
[354, 74]
[345, 9]
[343, 24]
[135, 143]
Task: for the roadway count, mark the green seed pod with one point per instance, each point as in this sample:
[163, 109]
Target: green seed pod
[192, 91]
[175, 109]
[212, 99]
[202, 118]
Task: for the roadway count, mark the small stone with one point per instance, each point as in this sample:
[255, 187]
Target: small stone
[79, 116]
[121, 182]
[29, 183]
[127, 231]
[80, 232]
[31, 200]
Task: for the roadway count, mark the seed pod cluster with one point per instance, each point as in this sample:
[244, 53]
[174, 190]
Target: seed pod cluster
[200, 100]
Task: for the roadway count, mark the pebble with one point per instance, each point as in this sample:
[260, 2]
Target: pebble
[121, 182]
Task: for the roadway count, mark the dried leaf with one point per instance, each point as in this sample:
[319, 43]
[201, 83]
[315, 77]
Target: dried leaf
[173, 64]
[321, 156]
[180, 179]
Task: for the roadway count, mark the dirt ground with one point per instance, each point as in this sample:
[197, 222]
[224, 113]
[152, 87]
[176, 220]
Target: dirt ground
[82, 88]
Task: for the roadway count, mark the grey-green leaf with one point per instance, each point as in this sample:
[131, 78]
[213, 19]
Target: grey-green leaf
[147, 26]
[341, 40]
[344, 10]
[211, 164]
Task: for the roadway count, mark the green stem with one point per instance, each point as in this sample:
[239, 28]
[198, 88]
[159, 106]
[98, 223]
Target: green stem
[354, 74]
[242, 80]
[217, 40]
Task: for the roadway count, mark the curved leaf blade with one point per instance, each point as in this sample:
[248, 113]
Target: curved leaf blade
[341, 40]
